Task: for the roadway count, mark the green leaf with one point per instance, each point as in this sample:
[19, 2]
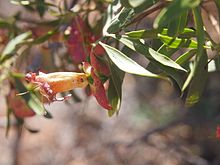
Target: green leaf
[120, 20]
[153, 33]
[199, 72]
[174, 10]
[139, 34]
[189, 78]
[139, 5]
[9, 111]
[115, 89]
[45, 37]
[31, 99]
[125, 63]
[41, 7]
[11, 46]
[166, 61]
[177, 42]
[4, 23]
[177, 25]
[167, 51]
[163, 62]
[181, 60]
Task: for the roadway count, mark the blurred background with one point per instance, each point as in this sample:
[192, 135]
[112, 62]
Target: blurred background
[152, 128]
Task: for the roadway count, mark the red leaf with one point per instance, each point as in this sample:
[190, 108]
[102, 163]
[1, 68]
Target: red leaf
[19, 107]
[99, 65]
[76, 43]
[218, 132]
[99, 92]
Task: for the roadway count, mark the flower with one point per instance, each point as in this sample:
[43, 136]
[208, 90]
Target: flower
[53, 83]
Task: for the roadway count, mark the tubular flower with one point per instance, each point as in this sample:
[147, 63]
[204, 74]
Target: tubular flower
[53, 83]
[18, 106]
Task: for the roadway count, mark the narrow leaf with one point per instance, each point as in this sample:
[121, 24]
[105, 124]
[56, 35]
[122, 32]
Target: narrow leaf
[153, 33]
[185, 57]
[177, 42]
[115, 89]
[11, 46]
[125, 63]
[120, 20]
[31, 99]
[139, 34]
[175, 9]
[164, 63]
[165, 60]
[200, 72]
[177, 25]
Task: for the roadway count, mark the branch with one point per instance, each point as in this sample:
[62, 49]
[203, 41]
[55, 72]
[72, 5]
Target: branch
[182, 119]
[148, 12]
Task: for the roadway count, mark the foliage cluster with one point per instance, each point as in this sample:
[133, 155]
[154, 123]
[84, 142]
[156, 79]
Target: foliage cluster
[98, 37]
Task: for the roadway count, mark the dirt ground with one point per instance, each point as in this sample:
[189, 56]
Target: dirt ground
[83, 134]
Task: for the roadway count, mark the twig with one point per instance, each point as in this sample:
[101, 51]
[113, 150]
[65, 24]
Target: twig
[16, 145]
[147, 12]
[181, 119]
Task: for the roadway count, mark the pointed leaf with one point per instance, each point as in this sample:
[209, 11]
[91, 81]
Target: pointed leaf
[31, 99]
[125, 63]
[99, 92]
[177, 25]
[165, 60]
[114, 90]
[175, 9]
[200, 72]
[153, 33]
[41, 7]
[181, 60]
[173, 42]
[164, 63]
[11, 46]
[120, 20]
[143, 34]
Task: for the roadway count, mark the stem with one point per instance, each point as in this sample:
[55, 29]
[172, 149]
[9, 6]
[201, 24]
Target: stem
[147, 12]
[16, 145]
